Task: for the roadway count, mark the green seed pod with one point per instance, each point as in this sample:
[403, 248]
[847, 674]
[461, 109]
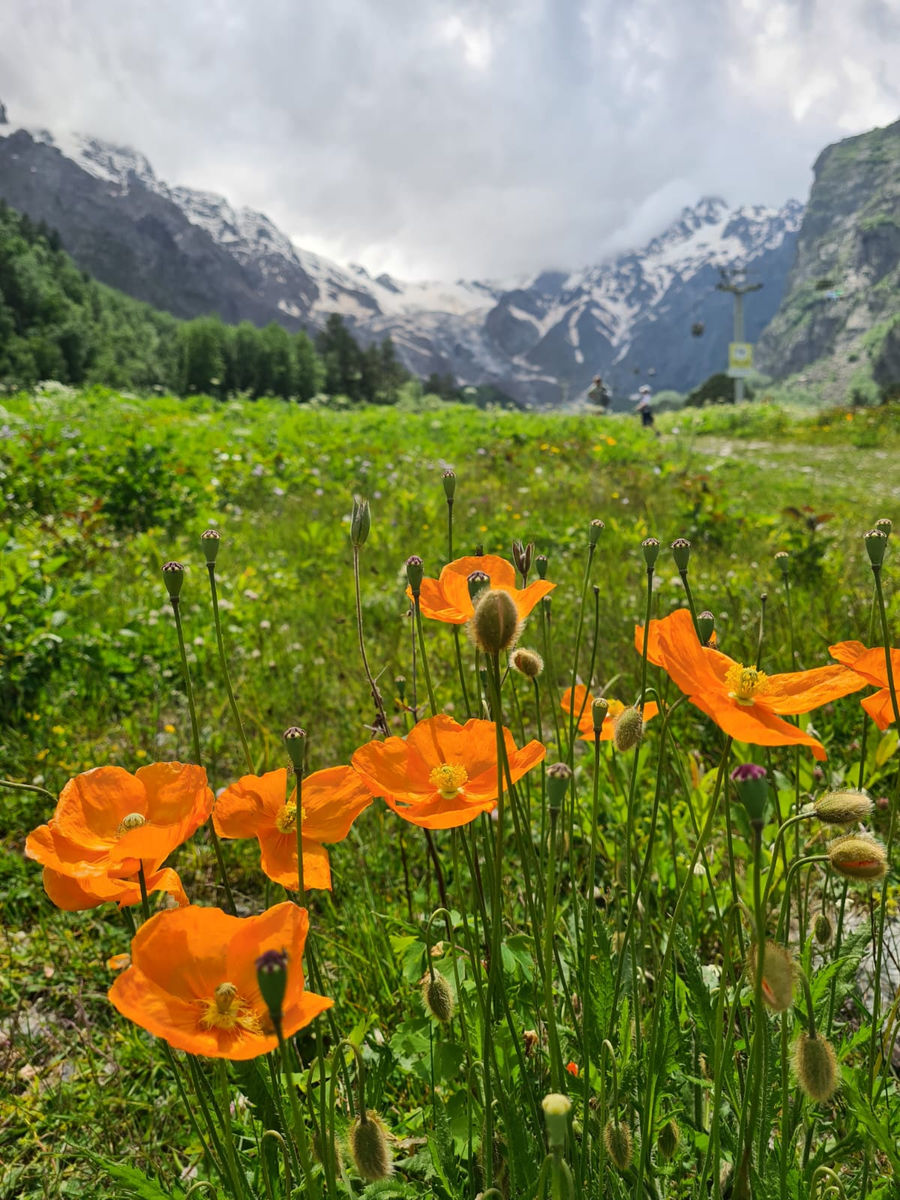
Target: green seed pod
[173, 577]
[596, 528]
[619, 1144]
[540, 564]
[629, 729]
[669, 1137]
[360, 521]
[415, 572]
[876, 545]
[706, 624]
[858, 856]
[527, 662]
[369, 1148]
[650, 550]
[558, 776]
[783, 561]
[477, 582]
[210, 540]
[885, 524]
[823, 930]
[295, 744]
[271, 975]
[681, 552]
[437, 997]
[448, 479]
[495, 623]
[815, 1066]
[556, 1114]
[843, 807]
[599, 713]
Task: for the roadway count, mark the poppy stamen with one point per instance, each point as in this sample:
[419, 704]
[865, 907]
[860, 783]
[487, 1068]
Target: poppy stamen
[286, 821]
[449, 778]
[228, 1010]
[746, 683]
[133, 820]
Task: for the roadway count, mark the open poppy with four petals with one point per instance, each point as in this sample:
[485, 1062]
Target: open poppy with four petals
[192, 980]
[582, 704]
[870, 665]
[442, 774]
[258, 806]
[108, 824]
[447, 597]
[743, 701]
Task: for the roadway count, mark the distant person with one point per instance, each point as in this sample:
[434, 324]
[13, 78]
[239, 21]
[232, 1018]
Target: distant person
[645, 408]
[599, 394]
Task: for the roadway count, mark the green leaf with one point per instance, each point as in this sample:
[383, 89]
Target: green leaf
[887, 746]
[137, 1183]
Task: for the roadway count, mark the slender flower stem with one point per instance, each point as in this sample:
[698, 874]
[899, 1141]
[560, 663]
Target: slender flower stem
[298, 820]
[27, 787]
[223, 663]
[300, 1138]
[381, 722]
[424, 658]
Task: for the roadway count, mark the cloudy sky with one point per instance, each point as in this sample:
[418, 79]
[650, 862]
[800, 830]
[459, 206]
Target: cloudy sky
[446, 138]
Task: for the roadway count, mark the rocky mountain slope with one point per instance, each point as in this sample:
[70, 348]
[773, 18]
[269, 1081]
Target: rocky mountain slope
[839, 322]
[540, 339]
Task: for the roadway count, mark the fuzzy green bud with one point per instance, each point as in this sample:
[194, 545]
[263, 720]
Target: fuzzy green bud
[558, 776]
[173, 577]
[495, 623]
[415, 573]
[681, 552]
[540, 565]
[777, 976]
[669, 1137]
[823, 930]
[876, 545]
[369, 1148]
[858, 856]
[448, 479]
[477, 582]
[295, 744]
[527, 662]
[619, 1144]
[360, 521]
[210, 540]
[650, 550]
[843, 808]
[271, 975]
[596, 528]
[706, 624]
[556, 1115]
[599, 713]
[629, 729]
[815, 1066]
[437, 997]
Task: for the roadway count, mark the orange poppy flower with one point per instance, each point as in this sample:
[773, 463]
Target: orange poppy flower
[583, 702]
[447, 597]
[442, 774]
[255, 806]
[871, 666]
[743, 701]
[108, 823]
[192, 980]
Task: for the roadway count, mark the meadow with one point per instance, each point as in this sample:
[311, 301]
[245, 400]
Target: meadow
[613, 971]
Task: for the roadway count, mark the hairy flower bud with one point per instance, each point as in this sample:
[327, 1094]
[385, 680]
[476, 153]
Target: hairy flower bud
[495, 623]
[815, 1065]
[619, 1145]
[823, 930]
[681, 552]
[777, 976]
[437, 997]
[858, 856]
[629, 729]
[210, 540]
[669, 1137]
[527, 662]
[843, 807]
[369, 1148]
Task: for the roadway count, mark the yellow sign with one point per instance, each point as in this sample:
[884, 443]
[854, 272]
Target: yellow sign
[740, 359]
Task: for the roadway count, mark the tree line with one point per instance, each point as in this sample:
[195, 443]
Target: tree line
[57, 322]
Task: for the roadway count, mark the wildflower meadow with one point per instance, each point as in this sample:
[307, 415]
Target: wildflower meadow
[445, 803]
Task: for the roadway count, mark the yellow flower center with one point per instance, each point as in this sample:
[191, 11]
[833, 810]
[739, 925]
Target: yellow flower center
[746, 683]
[448, 778]
[132, 821]
[616, 708]
[286, 821]
[227, 1011]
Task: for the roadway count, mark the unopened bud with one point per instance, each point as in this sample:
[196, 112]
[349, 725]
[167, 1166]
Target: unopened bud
[173, 576]
[823, 930]
[556, 1115]
[415, 572]
[619, 1145]
[752, 789]
[629, 729]
[596, 528]
[271, 975]
[295, 744]
[706, 624]
[448, 479]
[400, 685]
[369, 1148]
[437, 997]
[527, 662]
[558, 777]
[650, 550]
[599, 713]
[495, 624]
[540, 565]
[843, 808]
[477, 581]
[681, 552]
[815, 1065]
[522, 556]
[858, 856]
[777, 976]
[783, 561]
[360, 521]
[669, 1137]
[209, 540]
[876, 545]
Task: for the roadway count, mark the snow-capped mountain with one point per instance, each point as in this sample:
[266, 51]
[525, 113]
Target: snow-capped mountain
[540, 339]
